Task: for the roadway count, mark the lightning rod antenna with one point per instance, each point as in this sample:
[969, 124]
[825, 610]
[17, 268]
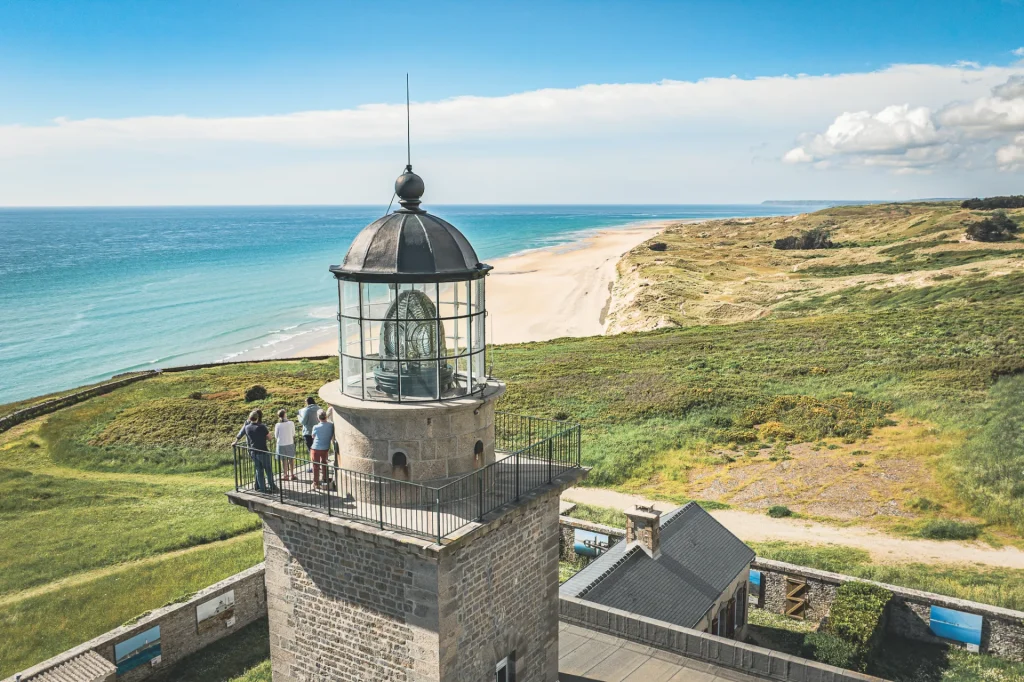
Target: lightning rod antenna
[408, 126]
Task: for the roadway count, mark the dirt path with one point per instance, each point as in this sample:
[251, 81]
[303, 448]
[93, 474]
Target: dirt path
[883, 548]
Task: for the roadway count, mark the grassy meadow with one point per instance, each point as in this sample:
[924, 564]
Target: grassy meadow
[880, 382]
[116, 506]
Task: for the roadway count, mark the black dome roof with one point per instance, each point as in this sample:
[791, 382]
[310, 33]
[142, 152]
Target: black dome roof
[410, 247]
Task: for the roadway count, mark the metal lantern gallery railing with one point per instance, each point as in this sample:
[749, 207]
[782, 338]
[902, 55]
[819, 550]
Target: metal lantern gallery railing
[404, 341]
[533, 453]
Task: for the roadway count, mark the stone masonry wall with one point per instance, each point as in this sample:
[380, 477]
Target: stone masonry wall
[180, 633]
[499, 595]
[347, 605]
[1002, 631]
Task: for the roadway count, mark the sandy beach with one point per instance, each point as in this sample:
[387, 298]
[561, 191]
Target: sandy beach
[548, 293]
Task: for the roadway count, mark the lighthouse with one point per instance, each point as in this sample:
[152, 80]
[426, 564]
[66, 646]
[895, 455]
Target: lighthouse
[433, 553]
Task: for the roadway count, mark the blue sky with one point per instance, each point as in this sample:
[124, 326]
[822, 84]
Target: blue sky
[118, 61]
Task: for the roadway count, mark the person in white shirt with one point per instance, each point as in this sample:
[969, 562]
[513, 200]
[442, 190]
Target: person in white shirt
[284, 435]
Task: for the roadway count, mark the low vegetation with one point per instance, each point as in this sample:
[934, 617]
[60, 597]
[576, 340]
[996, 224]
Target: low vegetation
[990, 203]
[999, 586]
[997, 227]
[856, 618]
[817, 238]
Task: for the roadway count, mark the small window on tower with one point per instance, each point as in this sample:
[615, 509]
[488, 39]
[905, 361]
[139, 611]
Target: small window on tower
[505, 671]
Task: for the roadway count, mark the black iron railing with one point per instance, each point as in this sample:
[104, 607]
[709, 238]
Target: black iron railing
[532, 452]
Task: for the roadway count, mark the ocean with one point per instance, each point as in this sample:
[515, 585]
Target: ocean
[86, 293]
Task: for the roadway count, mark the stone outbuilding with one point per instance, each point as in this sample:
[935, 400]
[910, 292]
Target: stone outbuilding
[683, 568]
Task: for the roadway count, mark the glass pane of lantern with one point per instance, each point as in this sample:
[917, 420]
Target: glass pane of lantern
[371, 338]
[478, 361]
[446, 299]
[478, 295]
[350, 336]
[377, 299]
[479, 331]
[350, 299]
[353, 376]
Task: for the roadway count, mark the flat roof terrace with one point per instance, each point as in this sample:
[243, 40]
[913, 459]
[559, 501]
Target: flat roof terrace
[588, 656]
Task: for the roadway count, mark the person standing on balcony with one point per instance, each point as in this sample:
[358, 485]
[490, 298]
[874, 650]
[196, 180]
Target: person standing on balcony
[323, 434]
[256, 433]
[307, 417]
[284, 435]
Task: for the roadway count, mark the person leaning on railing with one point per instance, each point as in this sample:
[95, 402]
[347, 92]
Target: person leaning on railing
[256, 433]
[323, 434]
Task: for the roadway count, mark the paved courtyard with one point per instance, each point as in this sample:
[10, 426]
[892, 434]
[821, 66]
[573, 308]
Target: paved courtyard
[588, 656]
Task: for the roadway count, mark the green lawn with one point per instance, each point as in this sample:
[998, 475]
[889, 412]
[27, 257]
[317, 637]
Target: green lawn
[38, 627]
[56, 526]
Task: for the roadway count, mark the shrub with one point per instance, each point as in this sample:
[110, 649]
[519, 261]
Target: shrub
[946, 529]
[196, 395]
[1015, 201]
[857, 611]
[818, 238]
[996, 228]
[658, 246]
[779, 511]
[831, 650]
[254, 393]
[923, 504]
[561, 416]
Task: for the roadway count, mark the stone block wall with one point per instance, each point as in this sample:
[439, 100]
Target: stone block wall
[499, 596]
[1002, 631]
[347, 601]
[346, 604]
[180, 632]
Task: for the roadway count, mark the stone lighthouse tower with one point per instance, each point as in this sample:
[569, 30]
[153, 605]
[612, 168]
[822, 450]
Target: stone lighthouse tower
[433, 554]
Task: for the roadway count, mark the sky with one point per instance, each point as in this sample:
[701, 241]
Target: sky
[185, 103]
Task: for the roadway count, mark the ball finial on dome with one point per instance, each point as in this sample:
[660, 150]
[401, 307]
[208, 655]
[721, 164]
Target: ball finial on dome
[409, 188]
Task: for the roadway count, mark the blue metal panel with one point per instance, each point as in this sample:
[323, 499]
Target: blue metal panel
[956, 625]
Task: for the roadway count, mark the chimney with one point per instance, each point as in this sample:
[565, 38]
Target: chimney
[643, 525]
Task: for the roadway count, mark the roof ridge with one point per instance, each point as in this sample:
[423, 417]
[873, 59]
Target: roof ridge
[631, 549]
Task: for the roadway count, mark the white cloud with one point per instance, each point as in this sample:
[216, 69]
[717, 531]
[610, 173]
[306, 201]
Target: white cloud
[1011, 157]
[632, 135]
[909, 140]
[885, 138]
[1019, 52]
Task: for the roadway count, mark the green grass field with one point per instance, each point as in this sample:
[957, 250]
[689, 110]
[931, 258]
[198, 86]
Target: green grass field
[899, 355]
[37, 626]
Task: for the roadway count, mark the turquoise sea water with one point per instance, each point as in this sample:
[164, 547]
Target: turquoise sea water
[87, 293]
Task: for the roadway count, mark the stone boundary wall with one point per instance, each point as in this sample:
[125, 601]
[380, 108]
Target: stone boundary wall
[717, 651]
[180, 633]
[1002, 632]
[8, 421]
[567, 526]
[32, 411]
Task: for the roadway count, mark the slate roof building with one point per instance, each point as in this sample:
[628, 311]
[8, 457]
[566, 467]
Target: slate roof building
[684, 568]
